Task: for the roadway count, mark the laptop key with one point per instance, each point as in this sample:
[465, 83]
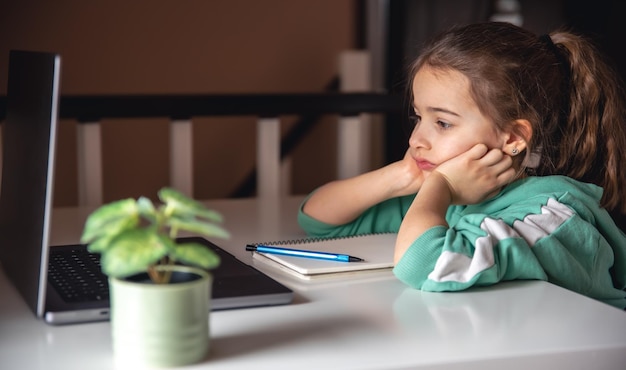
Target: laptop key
[77, 276]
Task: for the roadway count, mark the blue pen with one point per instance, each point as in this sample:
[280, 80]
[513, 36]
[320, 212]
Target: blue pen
[303, 253]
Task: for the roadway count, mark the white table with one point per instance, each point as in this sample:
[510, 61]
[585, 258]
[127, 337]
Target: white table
[366, 322]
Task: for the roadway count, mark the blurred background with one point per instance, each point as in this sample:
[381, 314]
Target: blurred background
[118, 47]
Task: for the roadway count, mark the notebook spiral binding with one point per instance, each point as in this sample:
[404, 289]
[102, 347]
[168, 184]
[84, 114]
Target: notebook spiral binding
[316, 239]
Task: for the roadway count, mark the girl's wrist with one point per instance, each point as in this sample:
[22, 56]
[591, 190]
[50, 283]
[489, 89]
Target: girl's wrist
[400, 181]
[436, 193]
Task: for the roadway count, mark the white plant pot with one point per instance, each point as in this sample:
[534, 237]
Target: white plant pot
[161, 325]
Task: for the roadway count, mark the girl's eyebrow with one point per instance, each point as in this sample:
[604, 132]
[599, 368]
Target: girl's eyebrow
[437, 110]
[443, 110]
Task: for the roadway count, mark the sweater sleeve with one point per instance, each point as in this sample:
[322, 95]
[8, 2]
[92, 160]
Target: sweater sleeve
[383, 217]
[469, 254]
[553, 244]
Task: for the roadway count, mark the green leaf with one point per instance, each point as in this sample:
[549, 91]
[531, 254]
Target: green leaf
[208, 214]
[110, 219]
[180, 204]
[197, 226]
[133, 252]
[146, 209]
[100, 245]
[174, 197]
[196, 254]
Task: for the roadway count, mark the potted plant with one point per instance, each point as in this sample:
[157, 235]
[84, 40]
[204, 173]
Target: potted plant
[159, 287]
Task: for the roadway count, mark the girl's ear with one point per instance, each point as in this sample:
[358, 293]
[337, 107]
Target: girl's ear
[518, 137]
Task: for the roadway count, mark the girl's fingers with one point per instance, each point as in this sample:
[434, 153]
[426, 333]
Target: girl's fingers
[494, 156]
[478, 151]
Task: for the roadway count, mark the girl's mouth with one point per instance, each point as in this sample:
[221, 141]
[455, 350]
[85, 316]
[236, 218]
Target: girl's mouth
[424, 165]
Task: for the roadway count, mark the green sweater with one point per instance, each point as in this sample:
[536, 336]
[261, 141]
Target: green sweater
[546, 228]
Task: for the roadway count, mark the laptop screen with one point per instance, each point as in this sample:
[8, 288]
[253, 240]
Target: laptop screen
[28, 148]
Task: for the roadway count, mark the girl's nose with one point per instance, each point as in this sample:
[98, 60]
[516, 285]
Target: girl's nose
[417, 138]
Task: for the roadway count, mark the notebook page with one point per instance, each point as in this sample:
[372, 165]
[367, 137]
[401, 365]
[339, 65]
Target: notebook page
[376, 250]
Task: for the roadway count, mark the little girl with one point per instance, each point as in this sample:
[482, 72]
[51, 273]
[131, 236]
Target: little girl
[515, 157]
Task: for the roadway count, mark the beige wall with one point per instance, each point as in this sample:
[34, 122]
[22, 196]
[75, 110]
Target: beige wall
[188, 46]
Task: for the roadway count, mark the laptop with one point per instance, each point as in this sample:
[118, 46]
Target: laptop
[64, 284]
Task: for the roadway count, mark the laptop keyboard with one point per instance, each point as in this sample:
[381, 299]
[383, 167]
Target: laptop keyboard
[76, 275]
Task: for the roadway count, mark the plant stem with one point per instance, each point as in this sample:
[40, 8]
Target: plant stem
[154, 274]
[160, 276]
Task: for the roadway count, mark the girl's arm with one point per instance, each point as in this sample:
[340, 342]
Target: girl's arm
[469, 178]
[339, 202]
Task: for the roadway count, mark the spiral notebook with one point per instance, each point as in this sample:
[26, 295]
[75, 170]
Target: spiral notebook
[376, 250]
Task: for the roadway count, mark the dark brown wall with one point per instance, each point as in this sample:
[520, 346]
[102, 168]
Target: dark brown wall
[190, 46]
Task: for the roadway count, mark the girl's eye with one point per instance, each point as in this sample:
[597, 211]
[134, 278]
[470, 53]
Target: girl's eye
[444, 125]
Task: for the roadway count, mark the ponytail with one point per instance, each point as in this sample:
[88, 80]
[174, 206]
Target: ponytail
[593, 140]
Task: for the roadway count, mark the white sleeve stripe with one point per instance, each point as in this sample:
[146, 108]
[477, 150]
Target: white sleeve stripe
[535, 227]
[458, 267]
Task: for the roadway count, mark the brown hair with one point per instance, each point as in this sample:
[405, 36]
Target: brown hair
[559, 83]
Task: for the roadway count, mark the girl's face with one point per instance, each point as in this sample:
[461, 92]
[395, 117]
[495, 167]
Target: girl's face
[448, 121]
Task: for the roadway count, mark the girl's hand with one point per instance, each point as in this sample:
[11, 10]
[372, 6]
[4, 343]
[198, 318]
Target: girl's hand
[408, 177]
[477, 174]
